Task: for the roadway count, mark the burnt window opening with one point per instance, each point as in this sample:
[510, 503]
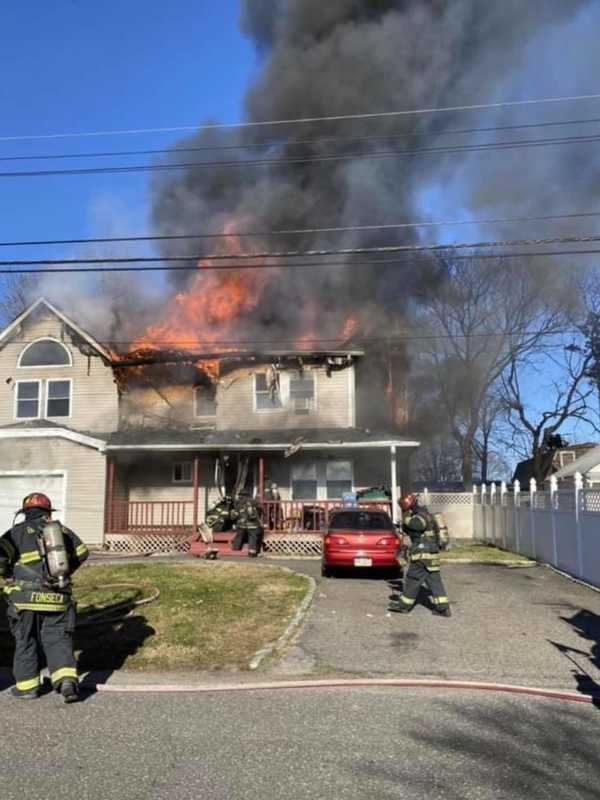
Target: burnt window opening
[267, 394]
[205, 401]
[45, 353]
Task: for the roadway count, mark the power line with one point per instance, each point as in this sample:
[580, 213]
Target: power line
[346, 251]
[302, 120]
[300, 231]
[279, 162]
[296, 142]
[349, 341]
[22, 270]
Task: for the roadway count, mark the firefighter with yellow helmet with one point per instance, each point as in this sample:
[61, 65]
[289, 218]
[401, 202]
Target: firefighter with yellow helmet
[37, 557]
[423, 558]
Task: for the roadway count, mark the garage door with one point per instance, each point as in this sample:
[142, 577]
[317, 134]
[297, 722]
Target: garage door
[14, 487]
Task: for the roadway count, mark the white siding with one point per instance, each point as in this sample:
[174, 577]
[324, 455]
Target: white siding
[94, 400]
[85, 476]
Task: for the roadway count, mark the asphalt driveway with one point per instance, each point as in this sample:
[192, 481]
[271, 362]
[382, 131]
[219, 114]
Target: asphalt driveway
[528, 626]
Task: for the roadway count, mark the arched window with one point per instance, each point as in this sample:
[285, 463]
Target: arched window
[45, 353]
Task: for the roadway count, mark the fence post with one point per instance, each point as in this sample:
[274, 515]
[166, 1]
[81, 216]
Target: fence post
[483, 511]
[517, 514]
[578, 532]
[503, 513]
[532, 492]
[553, 506]
[493, 511]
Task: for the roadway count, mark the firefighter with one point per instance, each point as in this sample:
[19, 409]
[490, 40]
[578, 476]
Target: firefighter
[248, 525]
[40, 609]
[423, 559]
[218, 518]
[273, 498]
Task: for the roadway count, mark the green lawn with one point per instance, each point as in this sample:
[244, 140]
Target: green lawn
[208, 616]
[481, 552]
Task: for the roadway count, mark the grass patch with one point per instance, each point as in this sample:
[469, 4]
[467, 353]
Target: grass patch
[208, 617]
[481, 552]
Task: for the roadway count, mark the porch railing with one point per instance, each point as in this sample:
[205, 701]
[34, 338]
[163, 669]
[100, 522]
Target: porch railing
[150, 516]
[302, 516]
[177, 516]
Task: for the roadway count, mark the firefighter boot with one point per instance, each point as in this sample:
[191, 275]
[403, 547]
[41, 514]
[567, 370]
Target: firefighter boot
[32, 694]
[399, 607]
[69, 690]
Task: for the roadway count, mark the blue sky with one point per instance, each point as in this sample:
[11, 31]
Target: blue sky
[84, 66]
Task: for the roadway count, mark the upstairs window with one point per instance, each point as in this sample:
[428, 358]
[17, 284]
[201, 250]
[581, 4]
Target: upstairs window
[205, 401]
[28, 400]
[45, 353]
[58, 399]
[267, 394]
[302, 392]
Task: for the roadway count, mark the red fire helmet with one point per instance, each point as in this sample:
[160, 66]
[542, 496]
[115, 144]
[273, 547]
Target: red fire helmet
[408, 501]
[37, 500]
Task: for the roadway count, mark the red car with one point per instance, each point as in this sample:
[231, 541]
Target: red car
[360, 538]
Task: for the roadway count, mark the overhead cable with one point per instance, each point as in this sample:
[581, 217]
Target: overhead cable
[303, 120]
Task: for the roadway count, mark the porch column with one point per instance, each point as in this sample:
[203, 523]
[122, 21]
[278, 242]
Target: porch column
[195, 511]
[261, 478]
[110, 494]
[394, 483]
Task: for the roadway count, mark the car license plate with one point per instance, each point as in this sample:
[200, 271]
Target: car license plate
[363, 562]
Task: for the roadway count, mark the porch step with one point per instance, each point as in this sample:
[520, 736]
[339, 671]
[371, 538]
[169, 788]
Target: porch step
[199, 548]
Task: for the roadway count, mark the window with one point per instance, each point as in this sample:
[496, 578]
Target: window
[58, 399]
[45, 353]
[302, 392]
[267, 395]
[205, 403]
[566, 457]
[182, 472]
[28, 400]
[339, 478]
[304, 481]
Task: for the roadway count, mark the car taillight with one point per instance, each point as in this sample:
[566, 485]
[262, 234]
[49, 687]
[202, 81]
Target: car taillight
[337, 541]
[385, 542]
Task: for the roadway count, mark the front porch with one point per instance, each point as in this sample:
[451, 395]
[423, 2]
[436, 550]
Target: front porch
[156, 501]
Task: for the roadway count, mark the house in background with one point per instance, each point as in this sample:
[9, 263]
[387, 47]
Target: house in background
[587, 464]
[553, 462]
[136, 448]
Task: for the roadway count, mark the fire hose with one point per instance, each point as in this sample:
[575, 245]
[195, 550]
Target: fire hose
[111, 612]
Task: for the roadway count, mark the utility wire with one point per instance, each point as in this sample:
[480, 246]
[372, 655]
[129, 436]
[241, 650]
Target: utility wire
[25, 270]
[347, 251]
[279, 162]
[302, 120]
[300, 231]
[295, 142]
[350, 341]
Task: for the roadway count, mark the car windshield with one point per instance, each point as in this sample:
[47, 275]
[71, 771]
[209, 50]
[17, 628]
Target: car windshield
[361, 521]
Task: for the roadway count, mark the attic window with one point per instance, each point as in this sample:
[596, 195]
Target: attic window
[45, 353]
[205, 403]
[302, 392]
[267, 396]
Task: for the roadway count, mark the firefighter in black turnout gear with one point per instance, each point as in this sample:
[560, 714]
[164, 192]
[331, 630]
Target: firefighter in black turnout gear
[423, 559]
[248, 525]
[36, 558]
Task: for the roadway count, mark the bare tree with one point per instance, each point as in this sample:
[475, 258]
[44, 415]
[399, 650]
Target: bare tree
[483, 315]
[15, 296]
[566, 397]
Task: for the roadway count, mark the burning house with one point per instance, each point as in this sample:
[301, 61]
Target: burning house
[134, 447]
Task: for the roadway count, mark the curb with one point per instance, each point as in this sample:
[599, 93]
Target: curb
[489, 562]
[297, 619]
[378, 683]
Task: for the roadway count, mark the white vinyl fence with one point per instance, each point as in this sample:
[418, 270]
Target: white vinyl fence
[457, 508]
[560, 527]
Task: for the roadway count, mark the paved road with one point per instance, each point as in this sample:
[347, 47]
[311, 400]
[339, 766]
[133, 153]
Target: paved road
[342, 744]
[529, 626]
